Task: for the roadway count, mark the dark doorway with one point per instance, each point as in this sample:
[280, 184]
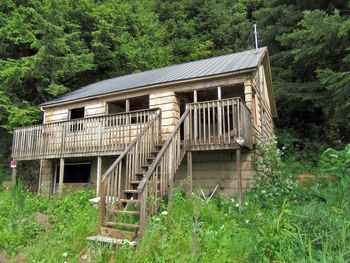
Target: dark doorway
[75, 173]
[233, 92]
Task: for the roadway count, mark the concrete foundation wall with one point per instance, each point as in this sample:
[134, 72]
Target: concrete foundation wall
[216, 168]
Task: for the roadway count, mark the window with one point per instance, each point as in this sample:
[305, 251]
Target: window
[233, 92]
[136, 103]
[77, 113]
[75, 173]
[116, 107]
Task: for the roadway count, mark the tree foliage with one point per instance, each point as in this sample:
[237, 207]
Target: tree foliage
[48, 48]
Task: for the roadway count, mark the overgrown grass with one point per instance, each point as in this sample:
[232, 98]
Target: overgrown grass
[24, 239]
[279, 222]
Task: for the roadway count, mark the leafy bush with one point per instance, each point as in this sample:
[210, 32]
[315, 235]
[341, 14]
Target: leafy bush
[270, 177]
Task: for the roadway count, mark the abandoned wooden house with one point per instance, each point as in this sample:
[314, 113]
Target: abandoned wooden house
[133, 137]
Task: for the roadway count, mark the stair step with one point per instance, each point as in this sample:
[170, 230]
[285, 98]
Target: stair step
[129, 201]
[126, 212]
[131, 191]
[158, 146]
[136, 226]
[110, 240]
[116, 233]
[135, 182]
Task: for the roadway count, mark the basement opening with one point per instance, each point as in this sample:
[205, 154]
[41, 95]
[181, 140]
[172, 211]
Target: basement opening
[74, 173]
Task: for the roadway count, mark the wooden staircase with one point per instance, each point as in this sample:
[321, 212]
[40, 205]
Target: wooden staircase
[136, 184]
[124, 217]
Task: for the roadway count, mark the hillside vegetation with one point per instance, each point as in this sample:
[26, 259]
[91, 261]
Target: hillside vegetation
[48, 48]
[279, 221]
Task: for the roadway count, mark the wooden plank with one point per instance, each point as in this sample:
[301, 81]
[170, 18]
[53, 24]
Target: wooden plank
[239, 175]
[98, 175]
[60, 183]
[189, 171]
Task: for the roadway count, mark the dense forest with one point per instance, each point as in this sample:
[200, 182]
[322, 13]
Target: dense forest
[48, 48]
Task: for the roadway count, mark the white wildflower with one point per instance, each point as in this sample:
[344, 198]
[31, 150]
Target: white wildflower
[237, 205]
[65, 254]
[164, 213]
[247, 221]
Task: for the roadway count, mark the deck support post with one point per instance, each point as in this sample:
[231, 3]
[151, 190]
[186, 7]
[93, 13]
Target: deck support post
[14, 176]
[189, 171]
[143, 211]
[60, 182]
[239, 175]
[171, 180]
[40, 176]
[98, 175]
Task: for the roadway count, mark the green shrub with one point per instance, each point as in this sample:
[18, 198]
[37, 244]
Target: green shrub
[271, 180]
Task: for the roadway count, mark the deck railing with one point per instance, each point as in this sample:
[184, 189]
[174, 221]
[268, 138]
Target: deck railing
[103, 135]
[219, 123]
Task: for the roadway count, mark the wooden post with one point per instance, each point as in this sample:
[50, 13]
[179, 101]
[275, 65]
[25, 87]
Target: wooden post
[14, 175]
[60, 183]
[189, 171]
[171, 178]
[239, 175]
[101, 208]
[219, 93]
[98, 175]
[143, 211]
[219, 113]
[40, 175]
[127, 105]
[195, 124]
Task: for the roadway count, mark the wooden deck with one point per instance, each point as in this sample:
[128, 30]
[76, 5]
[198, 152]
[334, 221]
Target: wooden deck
[209, 125]
[96, 136]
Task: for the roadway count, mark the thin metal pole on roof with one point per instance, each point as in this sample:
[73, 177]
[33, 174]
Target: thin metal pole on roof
[256, 37]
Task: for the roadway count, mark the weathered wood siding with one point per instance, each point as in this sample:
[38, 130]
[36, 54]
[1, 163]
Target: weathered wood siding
[257, 100]
[61, 113]
[169, 105]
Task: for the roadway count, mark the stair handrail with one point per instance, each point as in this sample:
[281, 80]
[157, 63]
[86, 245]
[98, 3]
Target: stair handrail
[131, 154]
[172, 147]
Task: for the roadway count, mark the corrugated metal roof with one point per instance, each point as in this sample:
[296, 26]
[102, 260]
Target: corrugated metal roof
[191, 70]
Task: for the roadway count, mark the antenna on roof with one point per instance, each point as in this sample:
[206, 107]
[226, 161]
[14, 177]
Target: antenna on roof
[256, 37]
